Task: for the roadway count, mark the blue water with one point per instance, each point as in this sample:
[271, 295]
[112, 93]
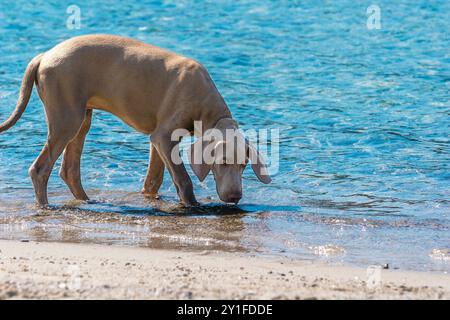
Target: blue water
[364, 117]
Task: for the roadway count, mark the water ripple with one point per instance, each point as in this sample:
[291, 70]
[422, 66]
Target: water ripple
[363, 118]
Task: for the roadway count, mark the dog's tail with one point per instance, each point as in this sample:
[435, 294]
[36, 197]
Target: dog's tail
[25, 93]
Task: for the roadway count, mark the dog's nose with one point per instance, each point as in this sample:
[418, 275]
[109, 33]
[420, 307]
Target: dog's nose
[234, 198]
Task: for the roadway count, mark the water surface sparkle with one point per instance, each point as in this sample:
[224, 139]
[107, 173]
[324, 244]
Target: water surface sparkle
[364, 117]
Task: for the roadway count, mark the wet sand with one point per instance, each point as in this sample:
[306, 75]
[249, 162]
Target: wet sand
[33, 270]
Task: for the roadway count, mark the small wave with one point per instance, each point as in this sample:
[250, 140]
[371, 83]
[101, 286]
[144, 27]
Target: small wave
[440, 254]
[328, 250]
[196, 241]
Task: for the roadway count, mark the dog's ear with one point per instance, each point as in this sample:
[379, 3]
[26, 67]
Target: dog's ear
[258, 164]
[197, 161]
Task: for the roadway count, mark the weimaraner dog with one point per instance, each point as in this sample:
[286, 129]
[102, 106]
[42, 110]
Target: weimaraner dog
[152, 90]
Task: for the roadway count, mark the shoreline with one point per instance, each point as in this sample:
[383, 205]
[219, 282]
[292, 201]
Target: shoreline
[40, 270]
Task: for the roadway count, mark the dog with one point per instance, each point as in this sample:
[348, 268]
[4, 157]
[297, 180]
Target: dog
[153, 90]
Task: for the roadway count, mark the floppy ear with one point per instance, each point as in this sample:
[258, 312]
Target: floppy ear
[198, 164]
[258, 164]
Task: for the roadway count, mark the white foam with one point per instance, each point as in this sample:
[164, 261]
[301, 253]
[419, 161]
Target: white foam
[440, 254]
[328, 250]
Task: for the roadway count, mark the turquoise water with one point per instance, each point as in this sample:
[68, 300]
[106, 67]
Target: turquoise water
[364, 117]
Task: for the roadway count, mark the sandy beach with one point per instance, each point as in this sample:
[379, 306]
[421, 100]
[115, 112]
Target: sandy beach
[33, 270]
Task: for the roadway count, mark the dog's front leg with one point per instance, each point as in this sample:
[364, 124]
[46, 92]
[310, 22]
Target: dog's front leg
[169, 153]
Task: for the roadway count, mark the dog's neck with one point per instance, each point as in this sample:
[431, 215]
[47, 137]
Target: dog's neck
[226, 123]
[214, 112]
[222, 123]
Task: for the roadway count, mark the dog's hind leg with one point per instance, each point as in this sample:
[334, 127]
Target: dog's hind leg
[155, 174]
[64, 122]
[70, 167]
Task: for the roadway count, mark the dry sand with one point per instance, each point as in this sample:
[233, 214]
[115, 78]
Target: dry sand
[31, 270]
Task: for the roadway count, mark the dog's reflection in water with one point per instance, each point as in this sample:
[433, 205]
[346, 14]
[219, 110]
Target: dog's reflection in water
[158, 224]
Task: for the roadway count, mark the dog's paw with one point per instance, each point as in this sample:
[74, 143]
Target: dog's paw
[149, 194]
[191, 204]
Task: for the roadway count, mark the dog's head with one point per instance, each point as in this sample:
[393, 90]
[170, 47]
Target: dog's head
[226, 153]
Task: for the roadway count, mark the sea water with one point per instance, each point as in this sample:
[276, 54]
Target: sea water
[362, 112]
